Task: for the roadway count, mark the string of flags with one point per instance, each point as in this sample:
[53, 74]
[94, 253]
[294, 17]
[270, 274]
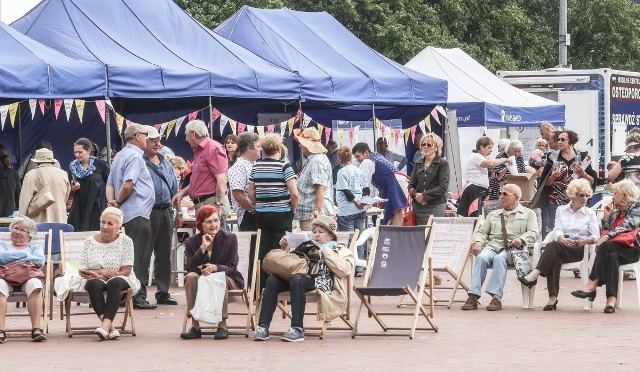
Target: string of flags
[285, 128]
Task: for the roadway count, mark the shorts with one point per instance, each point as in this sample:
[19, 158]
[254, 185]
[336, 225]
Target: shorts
[28, 287]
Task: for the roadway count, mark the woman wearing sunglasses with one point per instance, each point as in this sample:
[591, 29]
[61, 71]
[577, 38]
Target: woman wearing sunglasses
[429, 180]
[575, 226]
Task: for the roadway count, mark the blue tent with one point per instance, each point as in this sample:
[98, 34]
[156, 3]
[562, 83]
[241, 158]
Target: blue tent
[335, 66]
[29, 69]
[153, 49]
[480, 97]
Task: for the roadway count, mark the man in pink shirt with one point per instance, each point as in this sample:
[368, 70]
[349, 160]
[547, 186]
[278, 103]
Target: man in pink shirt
[208, 185]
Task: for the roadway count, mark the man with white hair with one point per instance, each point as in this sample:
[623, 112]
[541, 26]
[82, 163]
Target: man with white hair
[130, 188]
[208, 185]
[512, 226]
[547, 131]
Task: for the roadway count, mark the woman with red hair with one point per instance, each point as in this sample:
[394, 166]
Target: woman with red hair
[211, 250]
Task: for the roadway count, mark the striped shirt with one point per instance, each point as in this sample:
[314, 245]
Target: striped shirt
[270, 178]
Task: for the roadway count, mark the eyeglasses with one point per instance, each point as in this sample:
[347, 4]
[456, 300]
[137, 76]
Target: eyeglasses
[583, 195]
[562, 139]
[143, 133]
[23, 230]
[505, 194]
[427, 145]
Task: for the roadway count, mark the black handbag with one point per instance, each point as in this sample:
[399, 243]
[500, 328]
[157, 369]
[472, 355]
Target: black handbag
[312, 252]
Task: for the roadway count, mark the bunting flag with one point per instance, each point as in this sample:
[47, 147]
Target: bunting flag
[320, 129]
[356, 133]
[340, 137]
[3, 115]
[80, 108]
[413, 134]
[108, 103]
[158, 127]
[170, 126]
[397, 131]
[234, 125]
[383, 130]
[57, 104]
[421, 125]
[271, 128]
[100, 106]
[434, 113]
[251, 128]
[241, 127]
[392, 133]
[407, 132]
[283, 128]
[127, 122]
[377, 126]
[306, 119]
[290, 124]
[163, 128]
[193, 115]
[327, 132]
[298, 115]
[441, 110]
[32, 106]
[260, 129]
[119, 122]
[428, 123]
[215, 114]
[351, 132]
[41, 103]
[13, 109]
[179, 124]
[68, 104]
[224, 120]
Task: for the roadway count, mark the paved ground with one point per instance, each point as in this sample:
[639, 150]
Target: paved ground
[515, 338]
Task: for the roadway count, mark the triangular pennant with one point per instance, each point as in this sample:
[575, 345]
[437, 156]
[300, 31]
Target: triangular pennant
[407, 132]
[127, 122]
[170, 126]
[234, 126]
[80, 108]
[260, 129]
[57, 105]
[413, 134]
[298, 115]
[193, 115]
[421, 124]
[428, 123]
[290, 124]
[441, 110]
[163, 128]
[392, 133]
[119, 122]
[157, 126]
[340, 137]
[434, 113]
[271, 128]
[215, 114]
[179, 124]
[283, 128]
[320, 128]
[68, 104]
[356, 133]
[101, 108]
[377, 126]
[351, 132]
[251, 128]
[327, 132]
[3, 115]
[32, 105]
[306, 119]
[397, 131]
[241, 127]
[224, 120]
[13, 109]
[41, 103]
[108, 103]
[383, 130]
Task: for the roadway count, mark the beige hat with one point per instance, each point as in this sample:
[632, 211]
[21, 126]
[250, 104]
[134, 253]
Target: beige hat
[152, 132]
[43, 155]
[326, 222]
[310, 138]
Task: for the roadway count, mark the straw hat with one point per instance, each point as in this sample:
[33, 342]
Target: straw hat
[43, 155]
[327, 223]
[310, 138]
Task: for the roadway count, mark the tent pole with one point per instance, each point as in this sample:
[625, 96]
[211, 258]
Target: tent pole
[211, 121]
[107, 124]
[373, 111]
[19, 136]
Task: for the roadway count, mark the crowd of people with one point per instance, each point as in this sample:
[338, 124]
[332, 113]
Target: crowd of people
[147, 186]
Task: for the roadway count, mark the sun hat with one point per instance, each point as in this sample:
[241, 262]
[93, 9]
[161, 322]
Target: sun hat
[326, 222]
[310, 138]
[43, 155]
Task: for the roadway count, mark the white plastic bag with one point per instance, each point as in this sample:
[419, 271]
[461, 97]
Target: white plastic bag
[210, 297]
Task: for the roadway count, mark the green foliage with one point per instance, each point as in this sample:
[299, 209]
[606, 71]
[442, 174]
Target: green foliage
[500, 34]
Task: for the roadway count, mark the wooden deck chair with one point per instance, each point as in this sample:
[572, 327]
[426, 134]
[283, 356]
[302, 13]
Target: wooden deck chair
[400, 258]
[55, 228]
[349, 238]
[42, 239]
[72, 244]
[246, 259]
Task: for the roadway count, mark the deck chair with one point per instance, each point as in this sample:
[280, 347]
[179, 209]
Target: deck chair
[72, 244]
[246, 259]
[349, 238]
[55, 228]
[399, 258]
[42, 239]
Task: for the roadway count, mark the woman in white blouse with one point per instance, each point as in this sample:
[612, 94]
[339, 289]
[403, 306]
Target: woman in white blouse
[106, 264]
[576, 225]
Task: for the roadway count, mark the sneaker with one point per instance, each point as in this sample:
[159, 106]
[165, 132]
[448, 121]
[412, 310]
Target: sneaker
[113, 335]
[471, 304]
[262, 334]
[494, 305]
[294, 334]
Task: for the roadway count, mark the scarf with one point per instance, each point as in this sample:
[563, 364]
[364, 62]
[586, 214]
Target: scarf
[78, 171]
[330, 245]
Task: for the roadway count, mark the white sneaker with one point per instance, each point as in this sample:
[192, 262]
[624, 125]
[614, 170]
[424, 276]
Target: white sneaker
[113, 335]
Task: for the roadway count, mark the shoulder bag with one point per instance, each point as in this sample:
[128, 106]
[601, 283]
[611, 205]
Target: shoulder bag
[283, 263]
[519, 258]
[627, 238]
[18, 273]
[42, 199]
[409, 217]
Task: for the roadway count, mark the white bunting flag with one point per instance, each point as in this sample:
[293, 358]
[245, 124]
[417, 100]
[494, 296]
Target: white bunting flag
[251, 128]
[33, 103]
[163, 128]
[422, 126]
[3, 115]
[68, 104]
[283, 128]
[224, 120]
[179, 124]
[260, 129]
[306, 119]
[234, 126]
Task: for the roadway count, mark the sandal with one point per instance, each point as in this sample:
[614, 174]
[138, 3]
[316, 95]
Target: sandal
[37, 335]
[3, 338]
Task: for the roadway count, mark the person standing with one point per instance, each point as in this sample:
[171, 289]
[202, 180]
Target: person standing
[28, 163]
[130, 188]
[382, 146]
[315, 183]
[239, 175]
[208, 183]
[165, 185]
[45, 174]
[9, 187]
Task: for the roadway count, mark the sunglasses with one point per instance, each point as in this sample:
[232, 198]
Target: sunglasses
[583, 195]
[504, 193]
[562, 139]
[427, 145]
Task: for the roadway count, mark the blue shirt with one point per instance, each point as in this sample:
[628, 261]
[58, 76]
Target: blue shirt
[350, 178]
[163, 194]
[129, 165]
[33, 253]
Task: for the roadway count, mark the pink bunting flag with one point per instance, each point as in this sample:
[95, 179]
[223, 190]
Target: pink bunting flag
[57, 103]
[327, 132]
[215, 114]
[434, 113]
[413, 134]
[397, 131]
[271, 128]
[127, 122]
[383, 129]
[351, 132]
[241, 127]
[100, 105]
[41, 104]
[298, 115]
[193, 115]
[158, 126]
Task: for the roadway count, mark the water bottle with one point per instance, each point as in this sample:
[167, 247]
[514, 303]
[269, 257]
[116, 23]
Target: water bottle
[574, 236]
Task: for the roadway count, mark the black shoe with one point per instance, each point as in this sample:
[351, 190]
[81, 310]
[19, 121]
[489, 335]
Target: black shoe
[144, 305]
[582, 294]
[527, 283]
[167, 300]
[191, 334]
[549, 307]
[221, 334]
[609, 309]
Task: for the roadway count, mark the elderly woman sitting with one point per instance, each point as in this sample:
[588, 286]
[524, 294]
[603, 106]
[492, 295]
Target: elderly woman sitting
[576, 225]
[21, 250]
[337, 262]
[619, 244]
[210, 251]
[106, 263]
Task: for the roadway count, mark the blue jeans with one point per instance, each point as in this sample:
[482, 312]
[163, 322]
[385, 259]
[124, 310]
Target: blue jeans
[488, 258]
[350, 223]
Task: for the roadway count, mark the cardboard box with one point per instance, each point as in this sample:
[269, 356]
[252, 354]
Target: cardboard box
[526, 182]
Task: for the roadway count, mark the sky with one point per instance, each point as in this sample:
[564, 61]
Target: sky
[10, 10]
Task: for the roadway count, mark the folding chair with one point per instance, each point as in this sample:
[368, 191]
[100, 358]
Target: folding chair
[55, 228]
[72, 244]
[42, 239]
[349, 238]
[246, 259]
[399, 258]
[635, 268]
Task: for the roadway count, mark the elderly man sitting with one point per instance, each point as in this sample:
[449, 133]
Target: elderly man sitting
[521, 228]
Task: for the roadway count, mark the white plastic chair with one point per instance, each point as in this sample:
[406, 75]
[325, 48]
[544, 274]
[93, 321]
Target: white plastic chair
[583, 265]
[635, 268]
[362, 239]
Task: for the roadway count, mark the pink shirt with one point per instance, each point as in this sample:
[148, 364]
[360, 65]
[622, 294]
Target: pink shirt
[209, 159]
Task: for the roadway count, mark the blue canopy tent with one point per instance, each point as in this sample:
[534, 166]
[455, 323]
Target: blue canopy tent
[480, 97]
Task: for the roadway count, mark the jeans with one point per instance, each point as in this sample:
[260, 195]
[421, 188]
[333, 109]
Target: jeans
[350, 223]
[297, 285]
[487, 258]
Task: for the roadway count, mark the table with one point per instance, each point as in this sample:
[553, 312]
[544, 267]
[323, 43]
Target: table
[6, 221]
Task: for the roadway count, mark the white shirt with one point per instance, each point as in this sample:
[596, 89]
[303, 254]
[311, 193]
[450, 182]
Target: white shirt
[368, 168]
[476, 174]
[583, 222]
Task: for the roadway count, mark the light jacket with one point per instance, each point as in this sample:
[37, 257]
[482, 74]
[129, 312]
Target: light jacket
[341, 262]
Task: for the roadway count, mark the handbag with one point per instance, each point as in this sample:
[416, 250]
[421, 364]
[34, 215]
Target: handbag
[210, 298]
[627, 238]
[42, 199]
[409, 217]
[311, 252]
[18, 273]
[518, 258]
[285, 264]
